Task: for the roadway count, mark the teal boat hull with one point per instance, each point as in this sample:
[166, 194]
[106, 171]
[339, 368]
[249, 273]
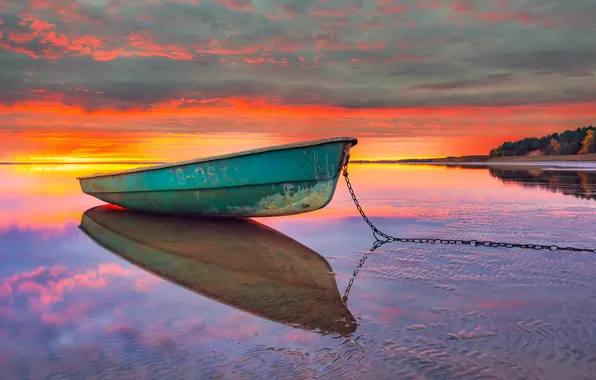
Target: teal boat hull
[275, 181]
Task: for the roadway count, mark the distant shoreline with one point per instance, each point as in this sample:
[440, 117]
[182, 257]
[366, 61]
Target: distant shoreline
[487, 160]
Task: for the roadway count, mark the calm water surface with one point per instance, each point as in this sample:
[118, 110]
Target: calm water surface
[91, 292]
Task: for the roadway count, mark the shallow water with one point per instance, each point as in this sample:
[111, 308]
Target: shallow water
[149, 298]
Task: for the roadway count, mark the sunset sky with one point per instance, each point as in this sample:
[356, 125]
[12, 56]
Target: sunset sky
[121, 80]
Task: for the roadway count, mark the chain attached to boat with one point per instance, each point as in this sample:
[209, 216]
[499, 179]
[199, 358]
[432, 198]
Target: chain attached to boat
[382, 238]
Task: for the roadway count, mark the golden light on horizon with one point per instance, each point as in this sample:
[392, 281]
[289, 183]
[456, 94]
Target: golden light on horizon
[58, 133]
[75, 160]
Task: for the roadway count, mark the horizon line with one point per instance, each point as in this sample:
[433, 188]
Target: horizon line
[360, 160]
[167, 162]
[85, 163]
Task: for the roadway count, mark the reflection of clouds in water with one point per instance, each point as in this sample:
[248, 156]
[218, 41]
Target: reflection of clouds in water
[53, 293]
[70, 308]
[112, 317]
[72, 321]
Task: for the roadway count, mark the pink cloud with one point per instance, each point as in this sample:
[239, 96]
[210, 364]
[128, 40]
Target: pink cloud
[5, 290]
[335, 12]
[73, 313]
[146, 284]
[144, 44]
[54, 45]
[370, 46]
[388, 7]
[30, 287]
[237, 5]
[280, 62]
[224, 48]
[65, 10]
[38, 25]
[462, 6]
[281, 44]
[546, 20]
[500, 12]
[362, 60]
[43, 294]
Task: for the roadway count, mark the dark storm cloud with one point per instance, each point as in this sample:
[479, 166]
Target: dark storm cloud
[133, 54]
[565, 62]
[465, 83]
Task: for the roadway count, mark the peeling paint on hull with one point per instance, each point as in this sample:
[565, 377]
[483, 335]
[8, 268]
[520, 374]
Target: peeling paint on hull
[273, 182]
[243, 202]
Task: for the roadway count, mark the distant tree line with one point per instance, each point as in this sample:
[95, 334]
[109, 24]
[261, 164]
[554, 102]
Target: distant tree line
[580, 141]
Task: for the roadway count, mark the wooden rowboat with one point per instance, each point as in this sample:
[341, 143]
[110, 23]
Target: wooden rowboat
[237, 262]
[274, 181]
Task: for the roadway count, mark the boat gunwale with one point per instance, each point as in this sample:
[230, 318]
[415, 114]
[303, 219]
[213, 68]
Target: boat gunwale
[301, 144]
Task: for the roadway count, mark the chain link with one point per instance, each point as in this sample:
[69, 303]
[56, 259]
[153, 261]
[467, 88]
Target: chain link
[351, 282]
[382, 238]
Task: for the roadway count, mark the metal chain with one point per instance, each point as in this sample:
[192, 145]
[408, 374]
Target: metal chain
[382, 238]
[360, 264]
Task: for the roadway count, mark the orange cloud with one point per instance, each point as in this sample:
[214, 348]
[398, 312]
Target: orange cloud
[456, 130]
[54, 45]
[145, 45]
[20, 37]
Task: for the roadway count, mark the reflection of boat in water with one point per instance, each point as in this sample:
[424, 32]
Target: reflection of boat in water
[580, 184]
[241, 263]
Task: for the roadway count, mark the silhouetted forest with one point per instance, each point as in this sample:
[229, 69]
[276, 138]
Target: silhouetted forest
[580, 141]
